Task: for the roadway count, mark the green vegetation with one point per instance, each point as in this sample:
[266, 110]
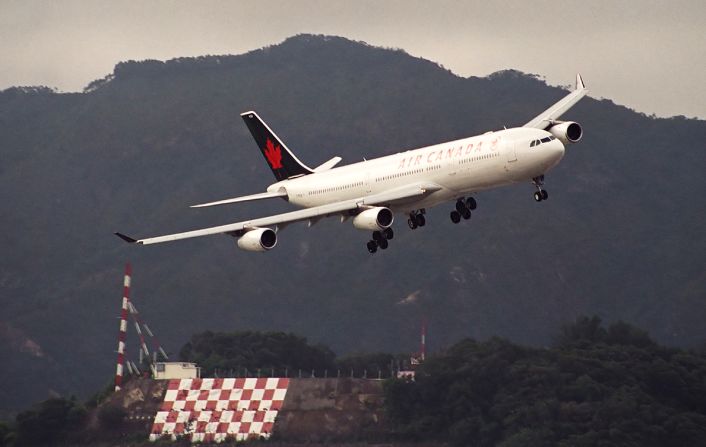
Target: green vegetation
[111, 416]
[252, 351]
[52, 422]
[277, 353]
[597, 387]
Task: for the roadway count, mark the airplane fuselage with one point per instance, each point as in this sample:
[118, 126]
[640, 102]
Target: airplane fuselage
[460, 167]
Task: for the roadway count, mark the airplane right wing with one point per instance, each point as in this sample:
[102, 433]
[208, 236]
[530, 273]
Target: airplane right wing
[236, 229]
[548, 117]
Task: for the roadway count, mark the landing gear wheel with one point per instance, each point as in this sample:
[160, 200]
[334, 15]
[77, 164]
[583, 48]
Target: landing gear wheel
[420, 220]
[460, 206]
[372, 246]
[377, 236]
[383, 244]
[455, 217]
[466, 213]
[545, 194]
[388, 233]
[471, 203]
[412, 222]
[538, 196]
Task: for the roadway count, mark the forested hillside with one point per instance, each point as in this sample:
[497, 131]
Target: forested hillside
[621, 235]
[609, 386]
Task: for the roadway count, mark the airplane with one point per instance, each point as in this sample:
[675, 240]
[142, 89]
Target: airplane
[371, 192]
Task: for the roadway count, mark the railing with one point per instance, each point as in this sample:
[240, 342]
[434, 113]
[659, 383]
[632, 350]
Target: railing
[378, 374]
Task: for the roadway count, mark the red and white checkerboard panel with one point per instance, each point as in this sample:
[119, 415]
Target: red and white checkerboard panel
[215, 410]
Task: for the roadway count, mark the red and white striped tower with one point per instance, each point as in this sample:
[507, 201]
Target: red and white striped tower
[123, 328]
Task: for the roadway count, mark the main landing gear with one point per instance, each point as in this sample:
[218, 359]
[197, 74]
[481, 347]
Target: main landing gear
[380, 239]
[463, 209]
[541, 193]
[417, 219]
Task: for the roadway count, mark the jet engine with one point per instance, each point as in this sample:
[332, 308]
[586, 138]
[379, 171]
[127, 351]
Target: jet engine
[566, 131]
[260, 239]
[375, 219]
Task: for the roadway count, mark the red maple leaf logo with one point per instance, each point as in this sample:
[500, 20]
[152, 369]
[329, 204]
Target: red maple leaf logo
[273, 154]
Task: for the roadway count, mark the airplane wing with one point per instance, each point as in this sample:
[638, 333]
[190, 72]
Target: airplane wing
[259, 196]
[384, 198]
[549, 116]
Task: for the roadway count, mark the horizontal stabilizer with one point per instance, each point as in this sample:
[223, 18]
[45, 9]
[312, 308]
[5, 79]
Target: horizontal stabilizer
[328, 165]
[259, 196]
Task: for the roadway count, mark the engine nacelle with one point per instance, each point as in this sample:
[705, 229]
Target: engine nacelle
[566, 131]
[377, 218]
[260, 239]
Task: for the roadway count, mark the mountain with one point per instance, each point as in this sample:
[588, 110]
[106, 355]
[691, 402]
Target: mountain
[621, 236]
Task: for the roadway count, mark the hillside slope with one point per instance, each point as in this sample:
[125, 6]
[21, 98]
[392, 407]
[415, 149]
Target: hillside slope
[621, 236]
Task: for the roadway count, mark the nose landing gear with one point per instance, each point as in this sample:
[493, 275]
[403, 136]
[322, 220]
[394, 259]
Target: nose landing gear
[541, 193]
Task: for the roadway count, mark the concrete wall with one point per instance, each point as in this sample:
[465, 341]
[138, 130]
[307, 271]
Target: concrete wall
[318, 410]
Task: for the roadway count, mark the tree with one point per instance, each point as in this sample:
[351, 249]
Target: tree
[49, 421]
[599, 386]
[111, 416]
[256, 350]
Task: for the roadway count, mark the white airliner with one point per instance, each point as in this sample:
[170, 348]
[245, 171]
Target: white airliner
[371, 191]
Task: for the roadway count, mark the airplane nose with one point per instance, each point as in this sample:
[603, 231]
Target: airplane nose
[556, 149]
[553, 152]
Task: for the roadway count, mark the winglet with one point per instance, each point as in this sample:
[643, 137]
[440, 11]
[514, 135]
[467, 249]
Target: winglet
[127, 239]
[579, 82]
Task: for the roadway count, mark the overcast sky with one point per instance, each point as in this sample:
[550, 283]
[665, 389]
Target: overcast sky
[648, 55]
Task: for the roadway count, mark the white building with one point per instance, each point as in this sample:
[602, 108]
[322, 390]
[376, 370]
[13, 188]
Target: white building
[175, 370]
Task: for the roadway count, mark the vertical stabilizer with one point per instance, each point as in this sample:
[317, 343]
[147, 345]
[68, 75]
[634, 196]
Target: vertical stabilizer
[282, 161]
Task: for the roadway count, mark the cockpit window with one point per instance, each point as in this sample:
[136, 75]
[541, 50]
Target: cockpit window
[542, 141]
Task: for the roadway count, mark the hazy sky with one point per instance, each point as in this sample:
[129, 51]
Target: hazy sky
[647, 55]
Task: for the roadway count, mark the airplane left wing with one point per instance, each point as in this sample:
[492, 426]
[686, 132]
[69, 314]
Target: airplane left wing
[548, 117]
[384, 198]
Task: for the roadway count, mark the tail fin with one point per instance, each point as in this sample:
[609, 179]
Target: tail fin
[282, 161]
